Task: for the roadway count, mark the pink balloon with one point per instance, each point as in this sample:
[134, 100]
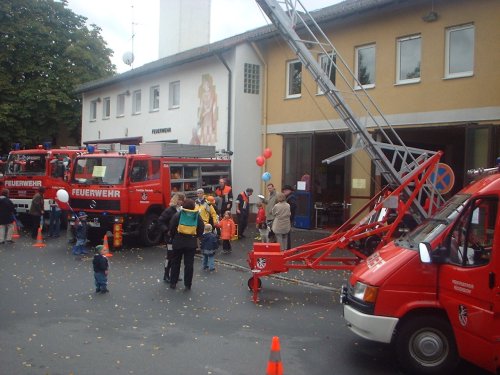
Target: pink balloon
[267, 153]
[260, 161]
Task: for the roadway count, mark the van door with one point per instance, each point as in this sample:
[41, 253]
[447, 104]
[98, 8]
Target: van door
[469, 282]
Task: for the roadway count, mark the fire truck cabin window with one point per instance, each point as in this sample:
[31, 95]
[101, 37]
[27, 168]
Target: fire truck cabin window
[139, 171]
[472, 238]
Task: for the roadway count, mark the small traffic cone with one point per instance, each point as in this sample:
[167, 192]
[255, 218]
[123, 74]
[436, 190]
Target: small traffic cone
[274, 365]
[15, 232]
[106, 246]
[39, 239]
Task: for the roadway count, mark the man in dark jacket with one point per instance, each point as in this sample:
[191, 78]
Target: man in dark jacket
[185, 228]
[243, 210]
[164, 221]
[36, 211]
[7, 212]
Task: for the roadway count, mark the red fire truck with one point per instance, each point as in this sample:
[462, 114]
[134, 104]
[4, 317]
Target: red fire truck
[125, 192]
[435, 292]
[28, 170]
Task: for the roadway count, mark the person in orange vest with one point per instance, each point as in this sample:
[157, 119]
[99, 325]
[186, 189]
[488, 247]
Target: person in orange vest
[225, 193]
[243, 210]
[227, 231]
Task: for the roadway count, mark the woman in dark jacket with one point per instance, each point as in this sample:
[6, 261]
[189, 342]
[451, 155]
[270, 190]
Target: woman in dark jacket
[164, 222]
[7, 212]
[185, 228]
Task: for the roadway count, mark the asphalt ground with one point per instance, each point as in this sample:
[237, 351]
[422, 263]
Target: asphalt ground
[52, 322]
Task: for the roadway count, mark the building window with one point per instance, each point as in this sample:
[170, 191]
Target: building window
[294, 79]
[174, 95]
[106, 107]
[154, 98]
[136, 102]
[327, 63]
[251, 79]
[93, 110]
[365, 66]
[120, 105]
[408, 55]
[459, 51]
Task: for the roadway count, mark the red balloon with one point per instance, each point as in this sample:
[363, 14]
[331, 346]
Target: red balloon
[267, 153]
[260, 161]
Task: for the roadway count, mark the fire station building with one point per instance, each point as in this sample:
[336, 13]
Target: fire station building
[431, 67]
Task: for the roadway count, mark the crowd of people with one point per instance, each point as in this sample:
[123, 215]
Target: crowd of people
[206, 223]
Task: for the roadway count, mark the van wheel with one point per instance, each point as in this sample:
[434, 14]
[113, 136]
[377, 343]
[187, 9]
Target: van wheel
[426, 345]
[150, 230]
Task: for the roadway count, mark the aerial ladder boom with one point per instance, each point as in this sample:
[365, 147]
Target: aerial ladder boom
[290, 18]
[409, 172]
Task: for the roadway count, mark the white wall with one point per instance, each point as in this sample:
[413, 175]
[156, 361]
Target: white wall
[247, 130]
[245, 134]
[182, 120]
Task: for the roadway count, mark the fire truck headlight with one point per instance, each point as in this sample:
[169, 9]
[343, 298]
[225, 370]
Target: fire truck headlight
[365, 293]
[118, 219]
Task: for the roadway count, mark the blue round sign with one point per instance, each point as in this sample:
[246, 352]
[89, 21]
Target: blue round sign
[444, 178]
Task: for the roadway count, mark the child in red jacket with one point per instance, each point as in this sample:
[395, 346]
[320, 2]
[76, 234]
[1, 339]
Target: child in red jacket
[260, 223]
[227, 231]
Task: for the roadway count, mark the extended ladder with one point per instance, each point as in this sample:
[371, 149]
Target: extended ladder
[290, 18]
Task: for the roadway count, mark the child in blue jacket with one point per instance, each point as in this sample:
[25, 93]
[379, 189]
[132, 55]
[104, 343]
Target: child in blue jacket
[209, 243]
[80, 234]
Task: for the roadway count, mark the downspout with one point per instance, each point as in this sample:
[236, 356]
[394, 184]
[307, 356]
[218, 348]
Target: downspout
[229, 94]
[264, 103]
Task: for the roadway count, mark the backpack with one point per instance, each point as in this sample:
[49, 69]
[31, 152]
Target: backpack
[188, 222]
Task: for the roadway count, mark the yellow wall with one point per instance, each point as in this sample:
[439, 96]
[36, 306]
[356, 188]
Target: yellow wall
[383, 27]
[274, 163]
[432, 93]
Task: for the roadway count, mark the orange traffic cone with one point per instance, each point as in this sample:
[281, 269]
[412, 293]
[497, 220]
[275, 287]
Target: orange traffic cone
[106, 246]
[15, 232]
[39, 239]
[274, 365]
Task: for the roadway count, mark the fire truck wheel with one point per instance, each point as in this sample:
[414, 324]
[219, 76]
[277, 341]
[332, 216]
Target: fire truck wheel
[250, 284]
[426, 345]
[150, 232]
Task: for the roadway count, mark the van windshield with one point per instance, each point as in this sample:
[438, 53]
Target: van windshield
[99, 170]
[434, 226]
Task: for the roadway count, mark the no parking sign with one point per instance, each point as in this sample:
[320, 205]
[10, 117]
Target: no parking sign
[444, 178]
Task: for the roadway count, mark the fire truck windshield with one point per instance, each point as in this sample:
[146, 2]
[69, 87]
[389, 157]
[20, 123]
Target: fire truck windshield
[26, 164]
[435, 225]
[99, 170]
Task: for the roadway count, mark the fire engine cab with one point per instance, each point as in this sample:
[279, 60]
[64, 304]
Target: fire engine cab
[27, 170]
[435, 292]
[124, 192]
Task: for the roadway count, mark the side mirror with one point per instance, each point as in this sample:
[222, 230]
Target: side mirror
[424, 250]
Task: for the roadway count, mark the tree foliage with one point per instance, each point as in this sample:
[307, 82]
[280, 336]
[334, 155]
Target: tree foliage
[46, 51]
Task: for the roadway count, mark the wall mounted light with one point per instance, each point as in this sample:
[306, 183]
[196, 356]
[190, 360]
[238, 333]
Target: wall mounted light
[430, 17]
[98, 100]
